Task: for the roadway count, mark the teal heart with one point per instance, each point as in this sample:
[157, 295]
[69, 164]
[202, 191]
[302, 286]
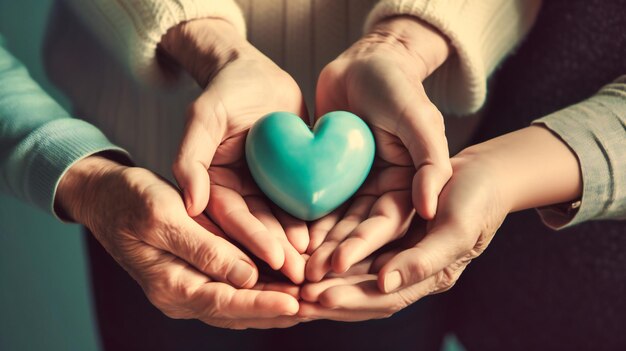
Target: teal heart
[309, 173]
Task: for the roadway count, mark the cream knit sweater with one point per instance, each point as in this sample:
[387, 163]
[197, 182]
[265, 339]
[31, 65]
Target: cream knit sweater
[304, 35]
[119, 89]
[116, 89]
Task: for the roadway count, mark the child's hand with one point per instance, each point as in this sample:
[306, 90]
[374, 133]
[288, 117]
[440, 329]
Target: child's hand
[241, 85]
[380, 79]
[429, 259]
[527, 168]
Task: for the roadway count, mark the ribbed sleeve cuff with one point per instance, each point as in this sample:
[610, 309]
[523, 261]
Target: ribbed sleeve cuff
[482, 33]
[595, 130]
[133, 29]
[55, 148]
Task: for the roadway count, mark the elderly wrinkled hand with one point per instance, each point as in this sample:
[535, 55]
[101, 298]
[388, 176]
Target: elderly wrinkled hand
[186, 267]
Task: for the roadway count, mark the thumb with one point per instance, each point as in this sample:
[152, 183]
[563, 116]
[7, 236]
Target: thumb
[423, 133]
[211, 254]
[203, 134]
[440, 248]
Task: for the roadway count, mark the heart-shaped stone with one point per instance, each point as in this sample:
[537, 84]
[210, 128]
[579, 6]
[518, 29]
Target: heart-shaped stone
[309, 173]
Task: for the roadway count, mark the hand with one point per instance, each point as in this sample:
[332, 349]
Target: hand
[185, 267]
[354, 296]
[379, 212]
[241, 86]
[528, 168]
[380, 79]
[429, 259]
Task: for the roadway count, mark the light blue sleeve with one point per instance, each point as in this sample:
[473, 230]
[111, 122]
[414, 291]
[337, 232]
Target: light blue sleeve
[39, 140]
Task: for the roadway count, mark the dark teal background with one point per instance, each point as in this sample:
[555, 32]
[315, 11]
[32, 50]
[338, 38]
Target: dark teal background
[44, 293]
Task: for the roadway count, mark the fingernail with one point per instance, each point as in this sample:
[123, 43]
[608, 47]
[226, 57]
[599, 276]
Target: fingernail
[393, 280]
[240, 274]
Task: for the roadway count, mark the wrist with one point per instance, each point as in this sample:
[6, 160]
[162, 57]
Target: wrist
[530, 167]
[487, 163]
[79, 184]
[203, 47]
[423, 42]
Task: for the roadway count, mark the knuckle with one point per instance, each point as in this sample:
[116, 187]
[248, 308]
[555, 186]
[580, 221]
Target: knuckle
[330, 72]
[162, 300]
[404, 299]
[155, 212]
[150, 212]
[219, 305]
[479, 247]
[431, 113]
[446, 170]
[171, 296]
[184, 292]
[212, 260]
[195, 109]
[445, 280]
[148, 224]
[419, 268]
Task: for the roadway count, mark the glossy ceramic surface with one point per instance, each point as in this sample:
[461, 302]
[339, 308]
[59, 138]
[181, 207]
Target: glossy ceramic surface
[309, 173]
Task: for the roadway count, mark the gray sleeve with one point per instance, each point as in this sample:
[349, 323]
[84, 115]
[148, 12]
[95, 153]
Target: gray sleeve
[595, 130]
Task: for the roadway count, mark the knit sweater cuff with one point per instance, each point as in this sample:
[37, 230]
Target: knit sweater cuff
[595, 130]
[133, 29]
[482, 33]
[53, 149]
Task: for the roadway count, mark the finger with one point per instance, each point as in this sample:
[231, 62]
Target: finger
[256, 323]
[356, 213]
[365, 296]
[423, 133]
[203, 134]
[320, 228]
[293, 266]
[449, 276]
[330, 95]
[362, 267]
[440, 248]
[210, 254]
[229, 210]
[285, 288]
[428, 182]
[382, 260]
[320, 262]
[208, 224]
[388, 220]
[387, 178]
[415, 233]
[311, 292]
[180, 291]
[295, 229]
[222, 301]
[312, 311]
